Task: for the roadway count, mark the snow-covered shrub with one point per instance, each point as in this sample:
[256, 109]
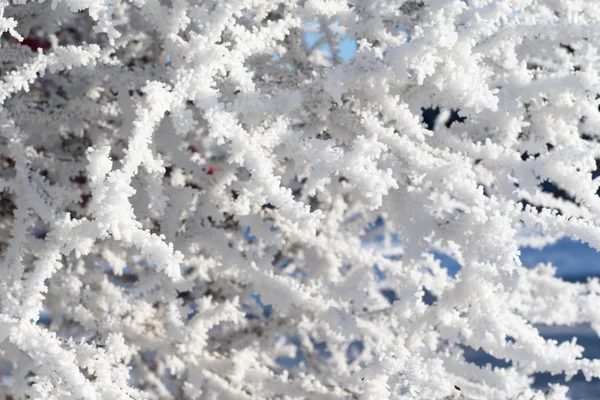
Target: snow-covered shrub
[191, 192]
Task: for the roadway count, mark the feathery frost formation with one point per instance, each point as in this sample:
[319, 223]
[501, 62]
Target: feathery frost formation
[190, 191]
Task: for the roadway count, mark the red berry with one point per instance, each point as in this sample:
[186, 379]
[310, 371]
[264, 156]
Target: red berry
[79, 179]
[34, 43]
[85, 199]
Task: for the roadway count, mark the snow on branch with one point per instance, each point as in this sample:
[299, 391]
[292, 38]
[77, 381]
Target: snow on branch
[243, 199]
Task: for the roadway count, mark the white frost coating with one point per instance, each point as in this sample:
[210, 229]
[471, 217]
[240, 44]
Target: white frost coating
[189, 190]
